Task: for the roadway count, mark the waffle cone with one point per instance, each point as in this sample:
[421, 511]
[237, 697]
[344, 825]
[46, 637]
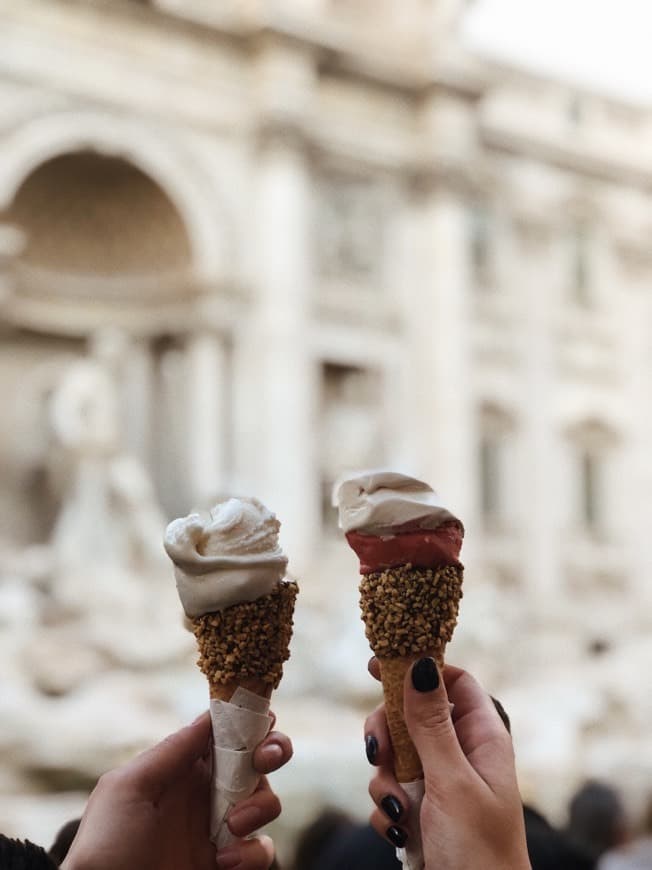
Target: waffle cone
[224, 691]
[246, 644]
[408, 613]
[407, 765]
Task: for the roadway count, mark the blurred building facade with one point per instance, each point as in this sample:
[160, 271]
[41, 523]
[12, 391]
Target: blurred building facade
[334, 239]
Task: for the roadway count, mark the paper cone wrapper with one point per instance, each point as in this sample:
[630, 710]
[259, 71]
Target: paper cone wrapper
[240, 718]
[241, 651]
[411, 857]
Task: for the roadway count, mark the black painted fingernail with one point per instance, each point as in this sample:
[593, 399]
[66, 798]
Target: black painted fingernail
[502, 713]
[425, 676]
[397, 836]
[392, 807]
[371, 748]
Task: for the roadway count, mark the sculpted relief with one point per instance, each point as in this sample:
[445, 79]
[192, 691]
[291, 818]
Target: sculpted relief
[348, 229]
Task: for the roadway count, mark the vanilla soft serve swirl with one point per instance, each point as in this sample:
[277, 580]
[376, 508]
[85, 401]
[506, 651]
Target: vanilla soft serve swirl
[231, 555]
[374, 502]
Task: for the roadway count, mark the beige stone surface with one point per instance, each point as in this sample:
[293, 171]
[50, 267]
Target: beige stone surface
[319, 253]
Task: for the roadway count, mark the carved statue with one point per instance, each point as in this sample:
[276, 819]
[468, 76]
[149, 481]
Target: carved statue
[110, 523]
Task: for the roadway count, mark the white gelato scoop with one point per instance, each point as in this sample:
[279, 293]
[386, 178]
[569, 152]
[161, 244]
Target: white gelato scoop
[231, 555]
[374, 502]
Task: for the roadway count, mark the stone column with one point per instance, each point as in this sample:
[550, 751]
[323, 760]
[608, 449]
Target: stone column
[275, 417]
[207, 424]
[138, 388]
[543, 462]
[439, 409]
[628, 509]
[438, 316]
[12, 242]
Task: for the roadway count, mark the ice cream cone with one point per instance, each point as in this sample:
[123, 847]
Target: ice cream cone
[407, 765]
[224, 691]
[409, 613]
[230, 572]
[408, 545]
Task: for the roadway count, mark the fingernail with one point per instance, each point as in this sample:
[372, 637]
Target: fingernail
[425, 676]
[371, 748]
[501, 712]
[272, 753]
[397, 836]
[228, 858]
[392, 807]
[246, 819]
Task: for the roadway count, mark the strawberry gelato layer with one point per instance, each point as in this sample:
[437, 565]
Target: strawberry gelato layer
[421, 548]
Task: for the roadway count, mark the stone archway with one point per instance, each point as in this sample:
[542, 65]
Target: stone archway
[104, 246]
[161, 155]
[87, 214]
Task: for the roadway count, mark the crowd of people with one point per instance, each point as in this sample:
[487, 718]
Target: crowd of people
[153, 811]
[596, 836]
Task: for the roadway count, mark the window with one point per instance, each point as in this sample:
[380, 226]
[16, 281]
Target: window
[590, 480]
[575, 109]
[349, 229]
[350, 431]
[494, 447]
[480, 231]
[490, 477]
[580, 265]
[592, 449]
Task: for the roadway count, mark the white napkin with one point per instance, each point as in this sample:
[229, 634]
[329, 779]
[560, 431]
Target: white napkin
[239, 725]
[412, 856]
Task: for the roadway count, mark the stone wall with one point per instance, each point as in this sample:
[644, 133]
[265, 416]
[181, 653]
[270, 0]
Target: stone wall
[320, 254]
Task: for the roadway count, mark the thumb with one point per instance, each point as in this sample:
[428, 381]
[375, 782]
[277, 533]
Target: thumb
[153, 770]
[428, 719]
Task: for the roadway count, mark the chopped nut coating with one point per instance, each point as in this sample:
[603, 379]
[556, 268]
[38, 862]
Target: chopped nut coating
[410, 610]
[250, 639]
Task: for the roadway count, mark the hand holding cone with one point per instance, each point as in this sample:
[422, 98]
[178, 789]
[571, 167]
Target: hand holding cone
[230, 576]
[408, 544]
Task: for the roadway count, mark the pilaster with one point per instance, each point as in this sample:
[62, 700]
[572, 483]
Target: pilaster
[437, 321]
[275, 419]
[207, 416]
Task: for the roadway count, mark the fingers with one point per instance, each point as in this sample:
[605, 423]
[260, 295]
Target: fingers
[254, 854]
[273, 752]
[428, 719]
[394, 833]
[153, 770]
[248, 815]
[263, 806]
[374, 668]
[390, 816]
[378, 745]
[389, 797]
[480, 729]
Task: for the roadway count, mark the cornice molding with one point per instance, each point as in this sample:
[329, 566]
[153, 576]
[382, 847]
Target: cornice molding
[466, 177]
[49, 302]
[578, 162]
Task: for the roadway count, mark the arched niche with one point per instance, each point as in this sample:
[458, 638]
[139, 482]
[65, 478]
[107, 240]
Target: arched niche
[103, 244]
[160, 154]
[86, 214]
